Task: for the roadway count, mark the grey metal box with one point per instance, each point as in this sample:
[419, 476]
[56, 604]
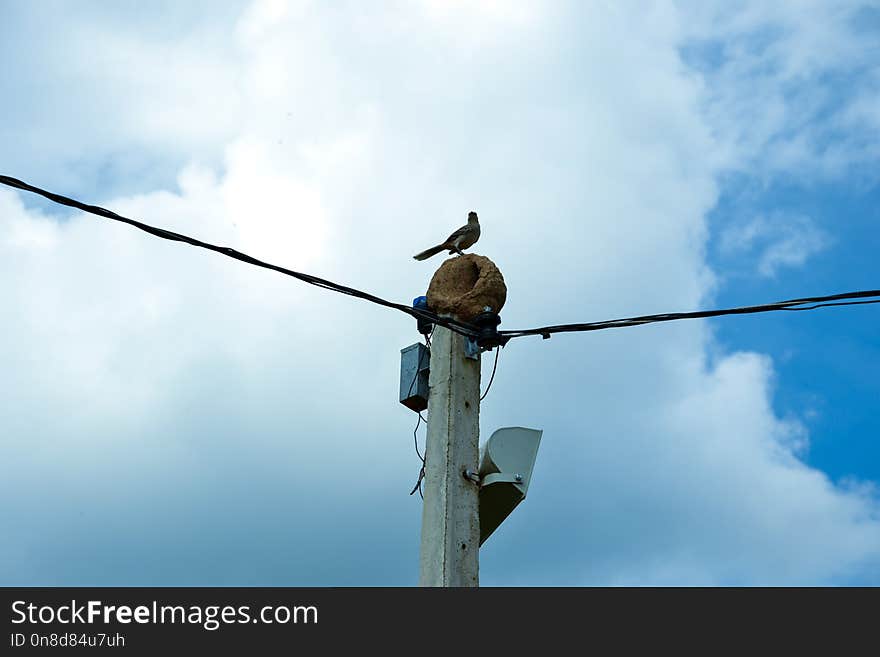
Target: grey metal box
[414, 363]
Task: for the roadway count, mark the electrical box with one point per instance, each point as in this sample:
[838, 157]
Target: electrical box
[414, 367]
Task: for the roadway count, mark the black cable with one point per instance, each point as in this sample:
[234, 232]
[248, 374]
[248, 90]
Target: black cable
[418, 486]
[826, 305]
[416, 438]
[452, 324]
[409, 392]
[792, 304]
[448, 322]
[492, 378]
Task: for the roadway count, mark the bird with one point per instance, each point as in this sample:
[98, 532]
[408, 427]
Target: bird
[463, 238]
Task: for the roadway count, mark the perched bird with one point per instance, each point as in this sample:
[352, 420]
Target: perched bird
[463, 238]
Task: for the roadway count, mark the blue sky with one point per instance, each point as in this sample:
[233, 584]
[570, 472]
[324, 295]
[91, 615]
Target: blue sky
[174, 418]
[822, 363]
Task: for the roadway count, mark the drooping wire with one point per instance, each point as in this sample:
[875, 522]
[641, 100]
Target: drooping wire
[492, 378]
[409, 392]
[421, 477]
[416, 438]
[807, 303]
[422, 458]
[452, 324]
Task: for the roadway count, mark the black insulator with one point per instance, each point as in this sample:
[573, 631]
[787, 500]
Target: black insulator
[488, 336]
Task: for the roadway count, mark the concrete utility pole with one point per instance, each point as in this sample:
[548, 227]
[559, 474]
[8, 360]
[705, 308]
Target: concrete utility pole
[450, 521]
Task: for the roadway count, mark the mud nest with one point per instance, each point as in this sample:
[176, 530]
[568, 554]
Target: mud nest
[465, 285]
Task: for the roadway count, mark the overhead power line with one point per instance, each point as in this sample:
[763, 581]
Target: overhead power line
[448, 322]
[807, 303]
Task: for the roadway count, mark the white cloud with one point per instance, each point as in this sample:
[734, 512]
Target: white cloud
[475, 19]
[150, 380]
[777, 241]
[779, 85]
[133, 91]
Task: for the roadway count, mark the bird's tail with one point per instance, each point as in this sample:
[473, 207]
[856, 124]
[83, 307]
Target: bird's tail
[427, 253]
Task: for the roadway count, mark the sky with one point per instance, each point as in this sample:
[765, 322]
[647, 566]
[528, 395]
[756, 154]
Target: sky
[173, 417]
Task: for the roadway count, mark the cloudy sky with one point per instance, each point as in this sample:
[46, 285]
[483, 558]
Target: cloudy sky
[173, 417]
